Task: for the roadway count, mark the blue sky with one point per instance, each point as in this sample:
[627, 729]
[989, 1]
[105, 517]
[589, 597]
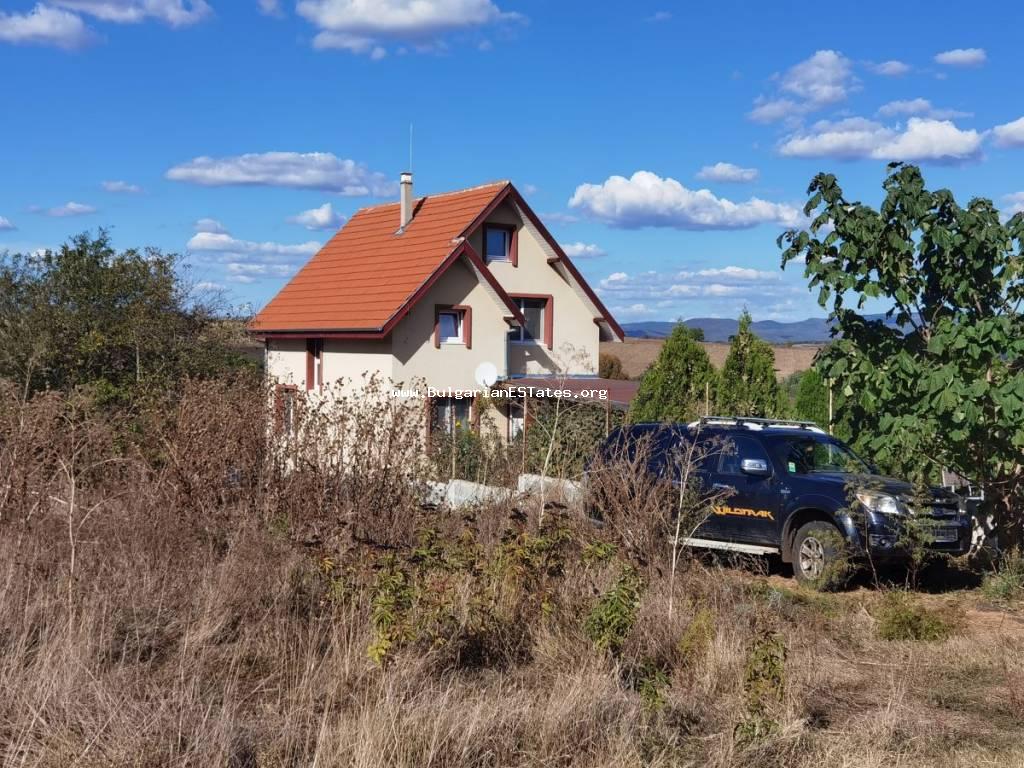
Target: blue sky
[241, 133]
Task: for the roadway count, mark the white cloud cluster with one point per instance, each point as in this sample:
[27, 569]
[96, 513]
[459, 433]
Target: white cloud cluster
[6, 225]
[918, 106]
[245, 261]
[210, 225]
[891, 68]
[1010, 134]
[59, 23]
[647, 200]
[654, 292]
[223, 243]
[321, 171]
[727, 172]
[177, 13]
[962, 57]
[367, 26]
[856, 137]
[580, 250]
[68, 209]
[122, 187]
[823, 79]
[44, 25]
[324, 217]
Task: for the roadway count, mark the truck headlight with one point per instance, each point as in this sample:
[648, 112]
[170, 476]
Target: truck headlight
[879, 502]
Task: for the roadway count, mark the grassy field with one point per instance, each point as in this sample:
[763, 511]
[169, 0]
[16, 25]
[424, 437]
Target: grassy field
[638, 354]
[189, 598]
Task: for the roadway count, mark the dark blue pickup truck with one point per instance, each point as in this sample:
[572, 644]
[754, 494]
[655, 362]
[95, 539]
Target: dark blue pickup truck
[789, 488]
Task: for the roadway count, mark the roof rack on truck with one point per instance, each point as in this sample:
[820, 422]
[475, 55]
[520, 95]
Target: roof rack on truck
[752, 422]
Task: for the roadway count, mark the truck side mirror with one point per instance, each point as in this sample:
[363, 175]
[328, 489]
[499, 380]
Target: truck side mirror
[758, 467]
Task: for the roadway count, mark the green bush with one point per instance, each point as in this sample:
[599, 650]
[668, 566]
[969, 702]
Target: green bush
[1006, 583]
[901, 617]
[612, 617]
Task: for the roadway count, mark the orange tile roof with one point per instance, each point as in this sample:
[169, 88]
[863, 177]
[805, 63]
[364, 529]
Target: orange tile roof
[366, 273]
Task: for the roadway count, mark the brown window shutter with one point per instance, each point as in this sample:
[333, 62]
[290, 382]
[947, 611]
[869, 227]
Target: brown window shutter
[549, 323]
[310, 363]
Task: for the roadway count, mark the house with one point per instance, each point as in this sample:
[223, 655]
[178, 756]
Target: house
[456, 290]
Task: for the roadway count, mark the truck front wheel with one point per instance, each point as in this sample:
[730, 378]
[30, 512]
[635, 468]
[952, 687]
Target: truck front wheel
[819, 559]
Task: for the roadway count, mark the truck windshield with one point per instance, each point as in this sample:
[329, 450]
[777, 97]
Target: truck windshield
[808, 455]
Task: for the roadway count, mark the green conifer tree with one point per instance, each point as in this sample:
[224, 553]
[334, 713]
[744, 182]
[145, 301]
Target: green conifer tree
[673, 388]
[749, 386]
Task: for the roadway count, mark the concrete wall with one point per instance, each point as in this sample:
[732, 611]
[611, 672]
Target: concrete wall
[576, 335]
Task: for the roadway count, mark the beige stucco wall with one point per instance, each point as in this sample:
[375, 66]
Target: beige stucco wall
[451, 365]
[576, 336]
[346, 361]
[286, 361]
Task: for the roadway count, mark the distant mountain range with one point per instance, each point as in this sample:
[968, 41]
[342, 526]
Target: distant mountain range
[813, 330]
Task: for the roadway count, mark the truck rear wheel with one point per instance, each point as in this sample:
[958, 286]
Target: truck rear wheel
[819, 559]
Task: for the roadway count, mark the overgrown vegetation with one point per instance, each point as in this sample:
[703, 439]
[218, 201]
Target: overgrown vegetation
[186, 593]
[939, 382]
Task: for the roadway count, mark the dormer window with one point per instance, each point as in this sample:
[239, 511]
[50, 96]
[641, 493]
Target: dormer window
[500, 243]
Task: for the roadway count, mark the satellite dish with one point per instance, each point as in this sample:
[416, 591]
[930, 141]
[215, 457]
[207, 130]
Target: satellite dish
[486, 374]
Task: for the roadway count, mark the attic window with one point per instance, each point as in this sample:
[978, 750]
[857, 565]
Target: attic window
[500, 243]
[449, 326]
[453, 324]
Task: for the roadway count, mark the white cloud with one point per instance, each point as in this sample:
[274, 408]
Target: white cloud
[735, 273]
[1014, 204]
[208, 285]
[209, 225]
[918, 107]
[647, 200]
[773, 110]
[660, 16]
[580, 250]
[1010, 134]
[269, 252]
[122, 186]
[5, 224]
[270, 7]
[177, 13]
[68, 209]
[962, 57]
[311, 170]
[529, 189]
[727, 172]
[856, 137]
[816, 82]
[824, 78]
[666, 289]
[44, 26]
[324, 217]
[891, 68]
[364, 26]
[559, 217]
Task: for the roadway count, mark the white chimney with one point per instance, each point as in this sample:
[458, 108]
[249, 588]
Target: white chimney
[405, 194]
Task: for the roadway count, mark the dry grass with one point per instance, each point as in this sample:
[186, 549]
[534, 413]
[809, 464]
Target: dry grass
[171, 596]
[637, 355]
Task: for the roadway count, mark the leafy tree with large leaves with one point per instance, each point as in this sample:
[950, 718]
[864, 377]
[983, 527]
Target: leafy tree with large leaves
[940, 381]
[674, 387]
[122, 323]
[748, 386]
